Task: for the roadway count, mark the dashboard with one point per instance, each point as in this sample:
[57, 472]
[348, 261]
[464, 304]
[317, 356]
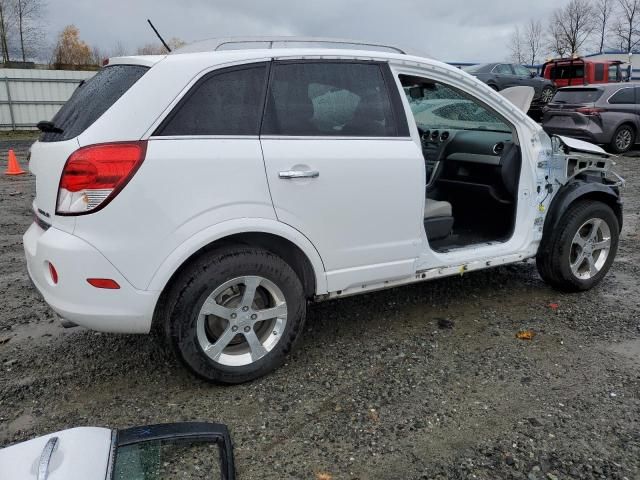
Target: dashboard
[456, 149]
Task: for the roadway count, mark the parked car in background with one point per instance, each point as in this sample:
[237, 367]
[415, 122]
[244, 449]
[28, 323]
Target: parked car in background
[607, 114]
[248, 182]
[504, 75]
[564, 72]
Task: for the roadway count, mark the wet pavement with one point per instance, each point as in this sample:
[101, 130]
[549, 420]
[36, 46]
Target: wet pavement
[421, 382]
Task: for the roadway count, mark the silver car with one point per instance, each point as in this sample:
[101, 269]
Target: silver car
[607, 114]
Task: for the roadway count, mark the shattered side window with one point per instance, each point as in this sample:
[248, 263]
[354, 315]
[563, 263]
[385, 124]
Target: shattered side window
[438, 106]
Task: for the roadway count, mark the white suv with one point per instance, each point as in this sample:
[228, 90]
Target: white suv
[214, 191]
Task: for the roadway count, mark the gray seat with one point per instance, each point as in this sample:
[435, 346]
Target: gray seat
[437, 208]
[438, 219]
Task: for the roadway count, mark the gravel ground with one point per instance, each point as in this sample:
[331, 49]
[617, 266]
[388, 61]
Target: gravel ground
[422, 382]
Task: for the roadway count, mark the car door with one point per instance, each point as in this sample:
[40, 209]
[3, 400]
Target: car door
[505, 76]
[342, 168]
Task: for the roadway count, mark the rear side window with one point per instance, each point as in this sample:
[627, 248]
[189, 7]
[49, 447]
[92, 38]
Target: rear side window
[599, 72]
[328, 99]
[577, 95]
[91, 99]
[227, 102]
[560, 72]
[626, 95]
[503, 69]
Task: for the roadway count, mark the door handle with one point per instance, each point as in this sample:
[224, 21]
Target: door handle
[288, 174]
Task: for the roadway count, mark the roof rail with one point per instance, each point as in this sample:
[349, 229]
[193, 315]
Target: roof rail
[246, 43]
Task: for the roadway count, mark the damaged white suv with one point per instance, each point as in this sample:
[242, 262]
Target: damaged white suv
[214, 191]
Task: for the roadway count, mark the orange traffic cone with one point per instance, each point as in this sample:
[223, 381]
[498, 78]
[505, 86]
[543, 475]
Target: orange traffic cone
[13, 167]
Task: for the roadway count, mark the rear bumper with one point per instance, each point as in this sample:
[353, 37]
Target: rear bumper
[125, 310]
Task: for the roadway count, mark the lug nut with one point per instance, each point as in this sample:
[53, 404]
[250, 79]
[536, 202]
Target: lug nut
[234, 329]
[244, 309]
[275, 333]
[246, 329]
[233, 315]
[254, 316]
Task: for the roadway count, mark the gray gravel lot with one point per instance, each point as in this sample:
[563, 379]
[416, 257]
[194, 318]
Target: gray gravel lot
[377, 389]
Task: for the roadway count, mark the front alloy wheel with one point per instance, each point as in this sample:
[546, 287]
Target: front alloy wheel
[623, 139]
[578, 252]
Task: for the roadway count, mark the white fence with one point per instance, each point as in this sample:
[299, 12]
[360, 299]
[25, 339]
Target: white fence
[28, 95]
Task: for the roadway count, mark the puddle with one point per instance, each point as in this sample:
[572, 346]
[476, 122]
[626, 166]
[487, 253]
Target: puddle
[629, 349]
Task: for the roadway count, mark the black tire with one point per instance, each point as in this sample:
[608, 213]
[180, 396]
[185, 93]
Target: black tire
[553, 259]
[192, 288]
[623, 139]
[547, 92]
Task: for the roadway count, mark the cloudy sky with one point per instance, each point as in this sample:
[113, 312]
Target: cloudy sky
[450, 30]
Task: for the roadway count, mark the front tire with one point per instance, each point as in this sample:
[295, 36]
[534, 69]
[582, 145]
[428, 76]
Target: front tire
[623, 139]
[234, 315]
[578, 254]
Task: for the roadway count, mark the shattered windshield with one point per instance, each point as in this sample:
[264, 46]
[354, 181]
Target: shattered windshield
[441, 107]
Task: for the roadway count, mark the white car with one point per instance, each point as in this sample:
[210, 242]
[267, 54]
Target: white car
[192, 450]
[213, 191]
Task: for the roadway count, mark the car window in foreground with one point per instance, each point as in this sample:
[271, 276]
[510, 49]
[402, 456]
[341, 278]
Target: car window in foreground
[328, 99]
[168, 460]
[577, 95]
[222, 103]
[91, 99]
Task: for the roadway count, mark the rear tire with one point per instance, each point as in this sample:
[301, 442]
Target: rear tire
[623, 139]
[234, 315]
[547, 94]
[579, 252]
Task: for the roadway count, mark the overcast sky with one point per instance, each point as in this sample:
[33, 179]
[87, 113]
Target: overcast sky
[450, 30]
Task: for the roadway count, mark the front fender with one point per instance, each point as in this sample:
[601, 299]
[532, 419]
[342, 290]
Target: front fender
[242, 225]
[577, 189]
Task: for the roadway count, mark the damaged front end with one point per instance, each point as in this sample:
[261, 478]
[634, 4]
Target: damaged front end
[580, 158]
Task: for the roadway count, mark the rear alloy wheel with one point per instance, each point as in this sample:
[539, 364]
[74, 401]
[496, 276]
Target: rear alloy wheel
[234, 314]
[578, 254]
[547, 94]
[623, 139]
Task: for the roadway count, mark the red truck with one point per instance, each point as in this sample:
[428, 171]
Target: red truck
[565, 72]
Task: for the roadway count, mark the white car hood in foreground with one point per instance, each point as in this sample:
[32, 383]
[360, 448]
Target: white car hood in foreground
[81, 454]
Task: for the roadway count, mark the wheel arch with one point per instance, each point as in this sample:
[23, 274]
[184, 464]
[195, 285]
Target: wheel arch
[578, 190]
[278, 238]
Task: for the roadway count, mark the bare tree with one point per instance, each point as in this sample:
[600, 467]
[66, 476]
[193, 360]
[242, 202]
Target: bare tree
[627, 27]
[516, 46]
[570, 27]
[5, 29]
[603, 9]
[532, 41]
[28, 16]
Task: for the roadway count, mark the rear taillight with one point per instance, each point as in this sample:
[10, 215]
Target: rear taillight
[94, 175]
[590, 111]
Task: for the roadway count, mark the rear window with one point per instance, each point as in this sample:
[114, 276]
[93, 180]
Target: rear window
[560, 72]
[577, 95]
[91, 99]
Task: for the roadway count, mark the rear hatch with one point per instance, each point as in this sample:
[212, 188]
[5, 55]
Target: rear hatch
[572, 107]
[89, 102]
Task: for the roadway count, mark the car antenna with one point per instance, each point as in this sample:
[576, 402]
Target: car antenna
[159, 36]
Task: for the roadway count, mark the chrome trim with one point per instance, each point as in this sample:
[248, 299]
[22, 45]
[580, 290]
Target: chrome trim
[45, 458]
[288, 174]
